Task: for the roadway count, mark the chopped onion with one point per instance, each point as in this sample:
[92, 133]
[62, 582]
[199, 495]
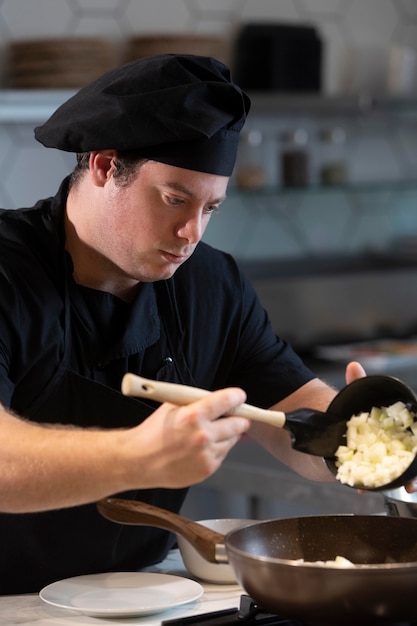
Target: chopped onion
[380, 446]
[339, 561]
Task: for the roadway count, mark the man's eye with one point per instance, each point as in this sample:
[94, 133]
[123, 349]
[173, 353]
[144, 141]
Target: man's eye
[174, 201]
[213, 208]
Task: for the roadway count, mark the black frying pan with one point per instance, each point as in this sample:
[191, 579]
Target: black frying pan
[381, 589]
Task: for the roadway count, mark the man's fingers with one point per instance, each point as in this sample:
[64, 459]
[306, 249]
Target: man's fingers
[221, 402]
[354, 370]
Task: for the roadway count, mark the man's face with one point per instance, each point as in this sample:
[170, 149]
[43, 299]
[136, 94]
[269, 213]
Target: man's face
[150, 227]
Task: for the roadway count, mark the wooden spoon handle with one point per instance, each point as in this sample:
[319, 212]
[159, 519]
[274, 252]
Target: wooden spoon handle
[160, 391]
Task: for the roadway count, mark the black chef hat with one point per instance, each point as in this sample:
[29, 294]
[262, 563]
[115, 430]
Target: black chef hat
[183, 110]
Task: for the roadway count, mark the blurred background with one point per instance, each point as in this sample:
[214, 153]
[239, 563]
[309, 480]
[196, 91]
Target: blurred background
[321, 211]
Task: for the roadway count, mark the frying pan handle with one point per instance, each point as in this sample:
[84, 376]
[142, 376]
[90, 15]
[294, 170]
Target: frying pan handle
[160, 391]
[208, 543]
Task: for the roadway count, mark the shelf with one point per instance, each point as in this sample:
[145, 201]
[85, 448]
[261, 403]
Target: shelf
[374, 187]
[327, 265]
[274, 103]
[36, 105]
[28, 106]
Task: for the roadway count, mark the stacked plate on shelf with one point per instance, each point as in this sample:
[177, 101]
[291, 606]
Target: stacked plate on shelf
[67, 63]
[146, 45]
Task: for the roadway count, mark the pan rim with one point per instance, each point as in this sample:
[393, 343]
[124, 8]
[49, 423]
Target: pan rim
[398, 567]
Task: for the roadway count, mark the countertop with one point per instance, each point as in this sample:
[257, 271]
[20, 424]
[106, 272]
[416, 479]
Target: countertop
[30, 609]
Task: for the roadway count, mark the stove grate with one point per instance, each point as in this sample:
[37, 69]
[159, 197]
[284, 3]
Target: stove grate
[248, 614]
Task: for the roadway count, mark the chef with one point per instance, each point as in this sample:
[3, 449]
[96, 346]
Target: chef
[110, 276]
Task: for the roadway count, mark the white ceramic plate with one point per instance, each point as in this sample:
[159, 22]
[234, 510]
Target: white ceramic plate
[121, 593]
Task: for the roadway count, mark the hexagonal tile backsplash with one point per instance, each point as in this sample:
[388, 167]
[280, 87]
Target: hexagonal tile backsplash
[357, 36]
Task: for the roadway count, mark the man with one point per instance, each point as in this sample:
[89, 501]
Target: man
[108, 277]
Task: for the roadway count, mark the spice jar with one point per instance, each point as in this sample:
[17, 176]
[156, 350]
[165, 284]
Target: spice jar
[295, 160]
[250, 173]
[333, 169]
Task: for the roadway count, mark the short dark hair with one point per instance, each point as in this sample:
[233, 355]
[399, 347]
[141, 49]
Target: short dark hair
[127, 165]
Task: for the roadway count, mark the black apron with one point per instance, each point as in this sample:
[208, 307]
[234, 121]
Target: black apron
[44, 547]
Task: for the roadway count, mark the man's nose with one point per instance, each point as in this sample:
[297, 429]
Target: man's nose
[192, 229]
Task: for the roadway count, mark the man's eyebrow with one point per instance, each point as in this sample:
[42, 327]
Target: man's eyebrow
[183, 189]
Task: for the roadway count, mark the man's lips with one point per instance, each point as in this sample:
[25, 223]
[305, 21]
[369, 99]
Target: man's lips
[174, 258]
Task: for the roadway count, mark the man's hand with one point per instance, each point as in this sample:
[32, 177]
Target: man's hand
[179, 446]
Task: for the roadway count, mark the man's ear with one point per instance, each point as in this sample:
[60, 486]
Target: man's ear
[102, 166]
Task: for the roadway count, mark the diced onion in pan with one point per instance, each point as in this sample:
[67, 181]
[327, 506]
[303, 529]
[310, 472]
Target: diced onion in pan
[339, 561]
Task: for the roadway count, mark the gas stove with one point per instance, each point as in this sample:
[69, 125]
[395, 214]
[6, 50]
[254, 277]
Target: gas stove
[248, 614]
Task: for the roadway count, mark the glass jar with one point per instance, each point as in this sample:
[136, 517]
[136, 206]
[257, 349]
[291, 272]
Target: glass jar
[250, 172]
[333, 168]
[295, 159]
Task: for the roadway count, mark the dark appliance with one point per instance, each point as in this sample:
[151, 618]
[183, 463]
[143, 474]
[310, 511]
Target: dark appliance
[278, 57]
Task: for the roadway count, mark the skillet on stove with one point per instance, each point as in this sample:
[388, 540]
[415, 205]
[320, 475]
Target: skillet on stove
[380, 588]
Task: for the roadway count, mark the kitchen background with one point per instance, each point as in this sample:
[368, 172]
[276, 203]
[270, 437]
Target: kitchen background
[321, 210]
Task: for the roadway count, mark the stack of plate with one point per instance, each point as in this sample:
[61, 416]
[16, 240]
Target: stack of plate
[57, 63]
[147, 45]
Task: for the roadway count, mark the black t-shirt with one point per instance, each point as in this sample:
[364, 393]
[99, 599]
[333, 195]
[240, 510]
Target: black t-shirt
[204, 326]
